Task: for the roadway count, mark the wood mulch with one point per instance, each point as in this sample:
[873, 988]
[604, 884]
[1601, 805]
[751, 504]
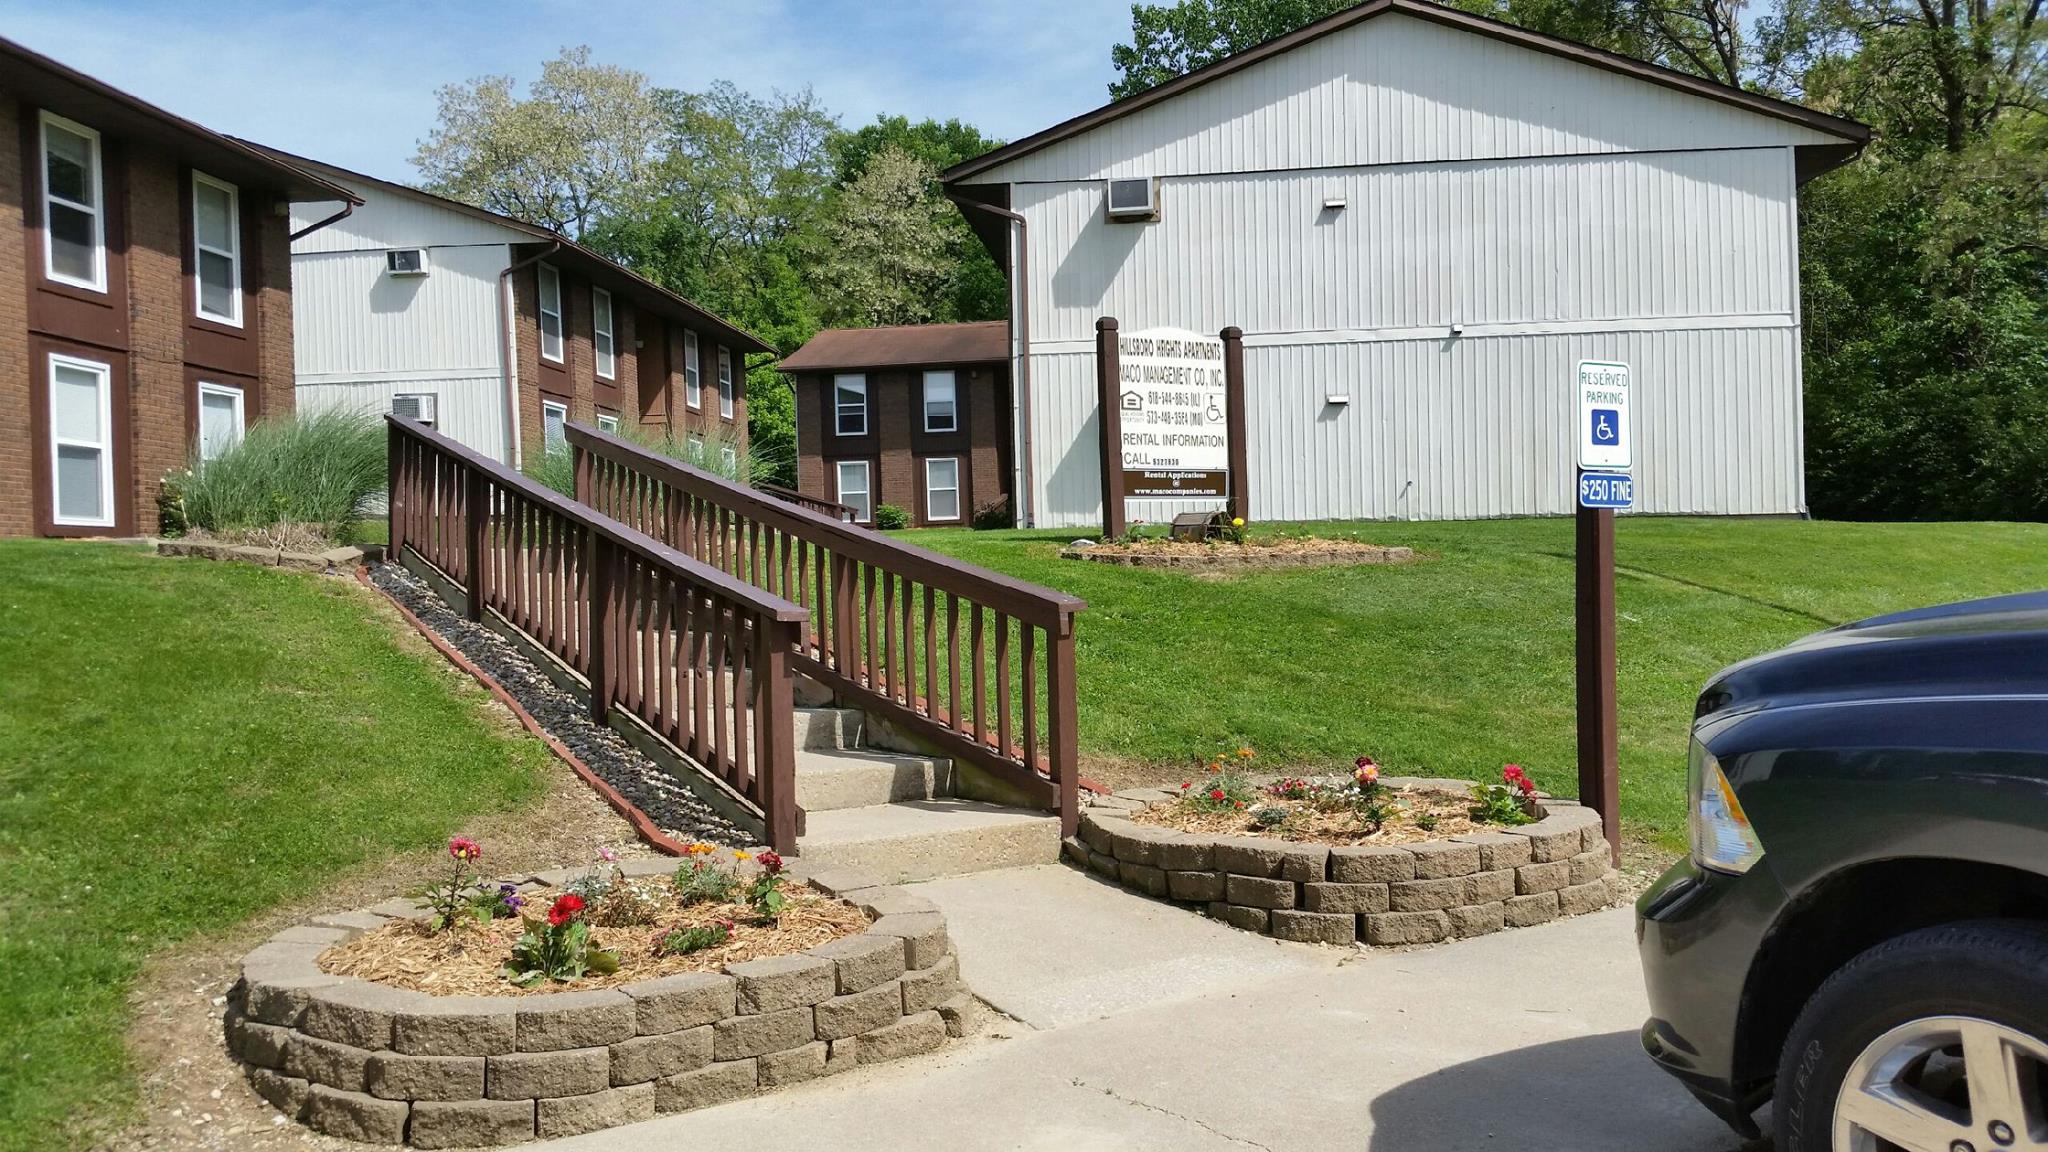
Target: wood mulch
[1308, 824]
[468, 960]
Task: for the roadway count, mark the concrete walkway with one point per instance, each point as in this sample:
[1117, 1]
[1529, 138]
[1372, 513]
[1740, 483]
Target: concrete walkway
[1141, 1026]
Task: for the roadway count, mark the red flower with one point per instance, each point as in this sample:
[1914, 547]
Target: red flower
[1216, 794]
[1525, 784]
[1512, 773]
[770, 861]
[463, 848]
[1366, 762]
[565, 909]
[1186, 784]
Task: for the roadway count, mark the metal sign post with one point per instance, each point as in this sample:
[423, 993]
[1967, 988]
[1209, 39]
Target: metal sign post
[1604, 484]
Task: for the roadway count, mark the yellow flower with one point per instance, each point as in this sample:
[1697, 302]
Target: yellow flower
[1237, 521]
[1244, 753]
[739, 855]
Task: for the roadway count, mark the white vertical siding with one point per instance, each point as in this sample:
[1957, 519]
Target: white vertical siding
[352, 318]
[471, 409]
[388, 219]
[1395, 90]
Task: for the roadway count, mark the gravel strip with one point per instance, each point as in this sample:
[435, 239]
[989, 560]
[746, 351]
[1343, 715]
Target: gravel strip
[673, 807]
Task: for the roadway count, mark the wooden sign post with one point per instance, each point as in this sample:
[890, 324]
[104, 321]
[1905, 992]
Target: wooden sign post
[1108, 375]
[1182, 395]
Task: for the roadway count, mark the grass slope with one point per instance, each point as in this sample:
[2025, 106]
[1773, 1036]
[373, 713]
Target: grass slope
[1460, 663]
[188, 744]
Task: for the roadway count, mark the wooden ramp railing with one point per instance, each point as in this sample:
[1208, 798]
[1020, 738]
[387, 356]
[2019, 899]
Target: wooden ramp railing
[979, 664]
[699, 658]
[832, 508]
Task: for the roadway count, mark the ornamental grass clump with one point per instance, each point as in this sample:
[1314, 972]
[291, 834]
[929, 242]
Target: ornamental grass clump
[313, 471]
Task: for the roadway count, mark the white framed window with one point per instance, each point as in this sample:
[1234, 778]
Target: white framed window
[220, 419]
[729, 457]
[725, 389]
[601, 334]
[606, 422]
[554, 424]
[216, 250]
[81, 441]
[74, 205]
[853, 488]
[696, 450]
[550, 313]
[941, 407]
[693, 380]
[942, 488]
[850, 405]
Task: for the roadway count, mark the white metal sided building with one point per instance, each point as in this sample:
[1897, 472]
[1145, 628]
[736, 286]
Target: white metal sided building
[1422, 220]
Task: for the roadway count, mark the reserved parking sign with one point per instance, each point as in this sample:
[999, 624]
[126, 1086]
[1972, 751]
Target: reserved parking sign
[1604, 440]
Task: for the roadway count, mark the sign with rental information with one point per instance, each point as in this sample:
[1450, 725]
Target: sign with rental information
[1170, 398]
[1603, 416]
[1606, 490]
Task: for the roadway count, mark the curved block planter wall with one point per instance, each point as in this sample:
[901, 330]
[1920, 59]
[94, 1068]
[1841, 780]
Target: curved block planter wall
[386, 1065]
[1379, 894]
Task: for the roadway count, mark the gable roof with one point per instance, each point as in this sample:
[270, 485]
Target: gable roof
[41, 82]
[909, 345]
[1852, 134]
[600, 270]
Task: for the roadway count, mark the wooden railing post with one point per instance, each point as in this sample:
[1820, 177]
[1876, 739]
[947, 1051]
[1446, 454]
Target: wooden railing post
[598, 558]
[394, 499]
[775, 748]
[845, 617]
[1062, 724]
[476, 495]
[581, 463]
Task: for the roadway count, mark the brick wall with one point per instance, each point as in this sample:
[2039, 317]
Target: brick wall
[987, 416]
[17, 443]
[810, 439]
[526, 334]
[889, 406]
[156, 324]
[277, 375]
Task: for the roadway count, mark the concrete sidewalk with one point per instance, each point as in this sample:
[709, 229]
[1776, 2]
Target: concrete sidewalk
[1146, 1027]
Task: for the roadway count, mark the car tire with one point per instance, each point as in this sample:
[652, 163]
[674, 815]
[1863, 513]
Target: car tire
[1995, 970]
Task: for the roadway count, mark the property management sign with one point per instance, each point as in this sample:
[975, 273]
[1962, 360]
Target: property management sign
[1176, 439]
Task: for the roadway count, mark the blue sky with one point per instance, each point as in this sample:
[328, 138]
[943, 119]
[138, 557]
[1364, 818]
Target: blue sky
[353, 83]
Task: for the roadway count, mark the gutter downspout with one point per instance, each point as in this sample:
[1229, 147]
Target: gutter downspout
[1020, 342]
[508, 349]
[347, 207]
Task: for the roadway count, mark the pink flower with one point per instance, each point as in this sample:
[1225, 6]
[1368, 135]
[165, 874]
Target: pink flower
[607, 854]
[463, 848]
[771, 861]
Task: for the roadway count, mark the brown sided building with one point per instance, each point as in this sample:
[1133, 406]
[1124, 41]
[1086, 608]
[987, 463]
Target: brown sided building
[916, 416]
[145, 297]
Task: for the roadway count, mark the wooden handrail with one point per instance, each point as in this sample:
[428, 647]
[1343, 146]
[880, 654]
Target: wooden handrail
[841, 512]
[995, 684]
[701, 658]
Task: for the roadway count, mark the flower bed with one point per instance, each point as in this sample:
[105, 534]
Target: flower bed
[456, 1047]
[1378, 878]
[1154, 552]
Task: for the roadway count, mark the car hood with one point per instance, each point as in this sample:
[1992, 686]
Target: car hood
[1997, 646]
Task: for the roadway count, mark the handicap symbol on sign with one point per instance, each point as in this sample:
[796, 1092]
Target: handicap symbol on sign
[1606, 426]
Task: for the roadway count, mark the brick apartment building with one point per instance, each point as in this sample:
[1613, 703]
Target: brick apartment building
[145, 298]
[916, 416]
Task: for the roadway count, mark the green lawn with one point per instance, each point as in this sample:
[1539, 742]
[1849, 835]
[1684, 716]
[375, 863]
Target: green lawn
[1459, 663]
[188, 744]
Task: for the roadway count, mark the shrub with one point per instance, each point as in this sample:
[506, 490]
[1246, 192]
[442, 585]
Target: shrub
[994, 517]
[889, 517]
[316, 470]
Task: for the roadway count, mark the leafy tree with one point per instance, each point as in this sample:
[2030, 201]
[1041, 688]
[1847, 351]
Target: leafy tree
[570, 152]
[1170, 39]
[979, 291]
[885, 255]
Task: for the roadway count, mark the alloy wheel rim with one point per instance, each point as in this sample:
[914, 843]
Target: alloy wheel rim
[1945, 1084]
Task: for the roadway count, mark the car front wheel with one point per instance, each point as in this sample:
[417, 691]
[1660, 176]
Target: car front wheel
[1935, 1041]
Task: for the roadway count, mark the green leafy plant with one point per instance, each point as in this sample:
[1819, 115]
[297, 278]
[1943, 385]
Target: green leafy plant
[1507, 802]
[1269, 816]
[558, 948]
[1426, 821]
[599, 879]
[703, 880]
[1233, 530]
[630, 903]
[316, 471]
[695, 938]
[500, 903]
[454, 898]
[889, 517]
[765, 893]
[1225, 790]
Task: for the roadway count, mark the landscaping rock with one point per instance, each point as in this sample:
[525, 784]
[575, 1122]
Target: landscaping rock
[285, 1093]
[1249, 919]
[962, 1015]
[1137, 843]
[1305, 862]
[355, 1012]
[1436, 859]
[1098, 830]
[282, 1000]
[572, 1115]
[845, 1055]
[779, 983]
[689, 1000]
[1253, 892]
[1407, 927]
[326, 1062]
[730, 1080]
[648, 1058]
[1187, 854]
[354, 1116]
[923, 935]
[1102, 864]
[907, 1037]
[325, 937]
[1144, 877]
[390, 1076]
[862, 961]
[1250, 856]
[1578, 898]
[471, 1124]
[1347, 899]
[354, 923]
[926, 988]
[456, 1026]
[794, 1066]
[1475, 920]
[1498, 850]
[1590, 866]
[1427, 895]
[1371, 864]
[844, 1016]
[1545, 877]
[261, 1044]
[526, 1075]
[1201, 886]
[744, 1036]
[1315, 927]
[1595, 838]
[1528, 911]
[1490, 887]
[565, 1020]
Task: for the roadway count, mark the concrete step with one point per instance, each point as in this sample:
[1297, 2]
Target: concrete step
[923, 839]
[829, 727]
[830, 779]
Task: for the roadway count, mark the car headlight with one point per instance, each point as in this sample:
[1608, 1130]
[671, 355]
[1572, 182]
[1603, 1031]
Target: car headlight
[1721, 836]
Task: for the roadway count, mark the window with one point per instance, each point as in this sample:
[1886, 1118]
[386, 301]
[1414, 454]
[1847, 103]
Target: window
[850, 404]
[217, 250]
[554, 422]
[853, 488]
[730, 458]
[81, 441]
[725, 396]
[606, 422]
[550, 314]
[693, 384]
[697, 450]
[601, 333]
[940, 412]
[942, 488]
[220, 419]
[74, 225]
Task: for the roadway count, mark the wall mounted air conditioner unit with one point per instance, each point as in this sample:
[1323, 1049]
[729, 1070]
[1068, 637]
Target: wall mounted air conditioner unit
[1133, 198]
[406, 262]
[414, 406]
